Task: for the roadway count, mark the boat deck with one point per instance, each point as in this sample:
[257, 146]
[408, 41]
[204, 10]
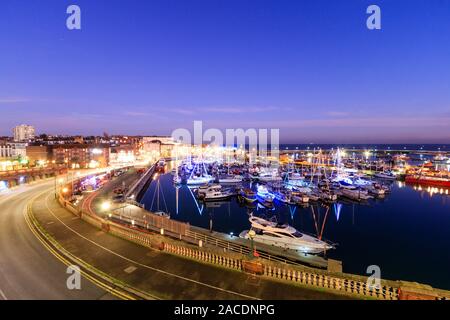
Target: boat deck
[277, 252]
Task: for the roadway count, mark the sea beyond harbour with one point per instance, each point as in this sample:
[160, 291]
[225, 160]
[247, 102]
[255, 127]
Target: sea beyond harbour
[405, 234]
[386, 147]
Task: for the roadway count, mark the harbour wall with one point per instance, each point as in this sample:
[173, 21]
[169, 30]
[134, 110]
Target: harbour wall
[296, 275]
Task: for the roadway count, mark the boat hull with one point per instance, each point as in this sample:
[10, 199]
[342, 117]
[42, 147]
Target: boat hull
[428, 181]
[289, 244]
[224, 197]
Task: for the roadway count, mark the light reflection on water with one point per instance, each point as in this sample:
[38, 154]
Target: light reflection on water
[406, 233]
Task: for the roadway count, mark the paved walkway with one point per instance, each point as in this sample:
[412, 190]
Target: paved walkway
[160, 274]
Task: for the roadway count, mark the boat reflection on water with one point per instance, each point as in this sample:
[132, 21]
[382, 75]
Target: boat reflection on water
[362, 230]
[217, 204]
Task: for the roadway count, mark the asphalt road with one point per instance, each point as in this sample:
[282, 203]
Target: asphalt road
[27, 269]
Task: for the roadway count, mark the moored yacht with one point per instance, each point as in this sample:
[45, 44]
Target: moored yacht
[162, 214]
[217, 194]
[388, 175]
[248, 195]
[284, 236]
[355, 194]
[269, 177]
[195, 180]
[264, 195]
[208, 188]
[231, 179]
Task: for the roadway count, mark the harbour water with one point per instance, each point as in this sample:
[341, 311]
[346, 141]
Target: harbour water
[405, 234]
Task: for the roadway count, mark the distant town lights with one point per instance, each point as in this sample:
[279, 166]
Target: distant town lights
[97, 151]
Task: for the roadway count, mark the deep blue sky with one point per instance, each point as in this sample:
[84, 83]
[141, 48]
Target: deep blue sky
[310, 68]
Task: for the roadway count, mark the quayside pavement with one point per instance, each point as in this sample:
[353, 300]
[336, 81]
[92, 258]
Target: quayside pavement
[160, 275]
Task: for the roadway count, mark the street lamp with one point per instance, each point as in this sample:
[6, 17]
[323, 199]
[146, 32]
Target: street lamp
[106, 205]
[251, 234]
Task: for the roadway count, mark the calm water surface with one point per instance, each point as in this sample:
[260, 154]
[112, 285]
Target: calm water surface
[406, 234]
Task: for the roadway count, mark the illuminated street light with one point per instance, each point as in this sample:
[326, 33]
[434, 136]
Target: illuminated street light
[251, 235]
[106, 205]
[64, 190]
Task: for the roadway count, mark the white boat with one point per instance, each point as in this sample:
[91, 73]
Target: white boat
[217, 194]
[269, 177]
[162, 214]
[284, 236]
[345, 183]
[295, 176]
[355, 194]
[231, 179]
[303, 189]
[202, 190]
[195, 180]
[264, 195]
[385, 175]
[358, 181]
[377, 191]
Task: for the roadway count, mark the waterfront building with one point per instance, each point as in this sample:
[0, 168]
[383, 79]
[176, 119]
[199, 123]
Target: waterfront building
[6, 151]
[82, 155]
[12, 155]
[122, 155]
[159, 146]
[13, 150]
[23, 132]
[38, 155]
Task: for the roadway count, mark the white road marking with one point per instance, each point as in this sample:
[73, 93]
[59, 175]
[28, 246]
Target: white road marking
[3, 295]
[143, 265]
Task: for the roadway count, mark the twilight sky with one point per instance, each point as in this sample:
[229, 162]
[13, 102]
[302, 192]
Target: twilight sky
[308, 67]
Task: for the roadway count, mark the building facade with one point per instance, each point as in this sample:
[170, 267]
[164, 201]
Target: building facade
[82, 155]
[13, 150]
[23, 133]
[37, 155]
[160, 146]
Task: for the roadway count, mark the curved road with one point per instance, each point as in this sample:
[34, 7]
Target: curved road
[27, 269]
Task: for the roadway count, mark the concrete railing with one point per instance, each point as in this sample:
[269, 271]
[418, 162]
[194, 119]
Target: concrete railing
[208, 257]
[345, 285]
[330, 282]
